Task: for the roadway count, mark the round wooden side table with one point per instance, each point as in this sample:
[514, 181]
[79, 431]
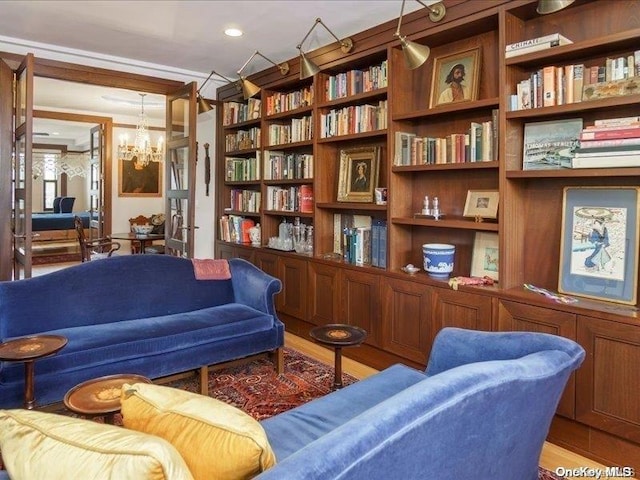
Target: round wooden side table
[338, 335]
[28, 350]
[100, 397]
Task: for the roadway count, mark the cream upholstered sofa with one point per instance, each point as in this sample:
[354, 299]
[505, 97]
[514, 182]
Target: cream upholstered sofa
[480, 411]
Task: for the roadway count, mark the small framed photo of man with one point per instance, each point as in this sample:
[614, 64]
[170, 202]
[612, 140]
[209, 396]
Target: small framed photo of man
[455, 78]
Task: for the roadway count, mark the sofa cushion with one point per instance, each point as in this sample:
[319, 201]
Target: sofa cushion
[45, 445]
[288, 432]
[216, 440]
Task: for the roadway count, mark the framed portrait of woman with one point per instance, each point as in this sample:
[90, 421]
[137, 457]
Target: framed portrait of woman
[455, 78]
[358, 176]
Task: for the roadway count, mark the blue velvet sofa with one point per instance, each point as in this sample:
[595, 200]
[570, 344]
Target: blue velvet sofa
[144, 314]
[480, 411]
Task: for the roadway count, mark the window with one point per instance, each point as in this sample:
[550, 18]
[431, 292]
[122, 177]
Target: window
[50, 181]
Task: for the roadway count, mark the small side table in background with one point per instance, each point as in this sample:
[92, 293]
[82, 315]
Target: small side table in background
[100, 397]
[338, 335]
[28, 350]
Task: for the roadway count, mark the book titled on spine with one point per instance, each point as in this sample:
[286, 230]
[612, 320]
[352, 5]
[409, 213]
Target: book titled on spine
[624, 132]
[536, 47]
[607, 161]
[554, 37]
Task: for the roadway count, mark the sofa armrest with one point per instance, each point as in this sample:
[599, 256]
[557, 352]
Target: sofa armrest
[253, 287]
[454, 347]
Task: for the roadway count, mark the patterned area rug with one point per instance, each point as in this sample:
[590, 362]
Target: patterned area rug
[55, 258]
[256, 388]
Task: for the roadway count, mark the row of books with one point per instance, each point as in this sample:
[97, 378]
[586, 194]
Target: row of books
[560, 85]
[242, 140]
[354, 119]
[609, 143]
[296, 198]
[360, 239]
[235, 228]
[245, 200]
[237, 112]
[356, 81]
[299, 130]
[279, 102]
[240, 169]
[479, 144]
[287, 166]
[535, 44]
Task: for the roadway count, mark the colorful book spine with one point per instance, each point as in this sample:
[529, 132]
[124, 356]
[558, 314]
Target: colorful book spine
[609, 134]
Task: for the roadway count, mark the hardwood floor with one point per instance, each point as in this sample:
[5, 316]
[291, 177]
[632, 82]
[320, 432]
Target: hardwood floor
[552, 456]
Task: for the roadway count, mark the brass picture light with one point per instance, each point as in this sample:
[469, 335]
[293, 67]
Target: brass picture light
[414, 53]
[307, 67]
[552, 6]
[250, 89]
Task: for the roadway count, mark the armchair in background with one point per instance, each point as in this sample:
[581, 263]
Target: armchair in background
[94, 249]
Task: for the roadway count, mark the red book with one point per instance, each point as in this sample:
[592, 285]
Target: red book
[247, 223]
[606, 134]
[306, 198]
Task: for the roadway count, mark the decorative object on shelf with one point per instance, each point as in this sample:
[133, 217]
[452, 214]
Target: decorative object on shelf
[438, 259]
[599, 251]
[250, 89]
[481, 204]
[359, 170]
[455, 282]
[550, 295]
[414, 53]
[307, 67]
[410, 268]
[381, 196]
[255, 235]
[141, 151]
[550, 145]
[552, 6]
[455, 78]
[615, 88]
[485, 255]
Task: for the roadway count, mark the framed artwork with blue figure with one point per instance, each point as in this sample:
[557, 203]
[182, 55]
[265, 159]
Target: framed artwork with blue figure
[599, 251]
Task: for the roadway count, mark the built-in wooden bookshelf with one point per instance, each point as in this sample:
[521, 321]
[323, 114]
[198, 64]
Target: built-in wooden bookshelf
[598, 415]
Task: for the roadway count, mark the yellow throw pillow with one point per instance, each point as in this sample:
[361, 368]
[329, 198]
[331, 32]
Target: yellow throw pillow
[215, 439]
[45, 445]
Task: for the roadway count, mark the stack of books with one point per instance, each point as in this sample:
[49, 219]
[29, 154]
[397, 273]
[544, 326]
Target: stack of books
[609, 143]
[535, 44]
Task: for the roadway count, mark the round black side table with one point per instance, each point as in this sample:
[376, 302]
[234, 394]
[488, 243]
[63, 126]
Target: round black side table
[338, 335]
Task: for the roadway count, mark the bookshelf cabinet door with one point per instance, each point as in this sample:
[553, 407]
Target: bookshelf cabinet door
[514, 316]
[608, 382]
[225, 251]
[324, 294]
[406, 319]
[361, 302]
[460, 309]
[293, 273]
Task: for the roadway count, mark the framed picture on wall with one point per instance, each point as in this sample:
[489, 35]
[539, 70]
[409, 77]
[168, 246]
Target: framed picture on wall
[599, 251]
[455, 78]
[139, 180]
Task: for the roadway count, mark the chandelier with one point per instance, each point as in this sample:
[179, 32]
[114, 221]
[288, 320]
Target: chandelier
[141, 150]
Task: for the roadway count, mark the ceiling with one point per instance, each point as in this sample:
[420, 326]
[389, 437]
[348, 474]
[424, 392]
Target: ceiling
[185, 37]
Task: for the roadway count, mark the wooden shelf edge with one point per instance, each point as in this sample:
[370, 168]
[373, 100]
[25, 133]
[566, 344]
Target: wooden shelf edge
[484, 103]
[380, 92]
[457, 223]
[576, 107]
[444, 166]
[290, 113]
[351, 206]
[575, 173]
[353, 136]
[289, 146]
[254, 122]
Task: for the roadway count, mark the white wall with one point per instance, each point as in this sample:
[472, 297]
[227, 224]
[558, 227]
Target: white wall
[205, 205]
